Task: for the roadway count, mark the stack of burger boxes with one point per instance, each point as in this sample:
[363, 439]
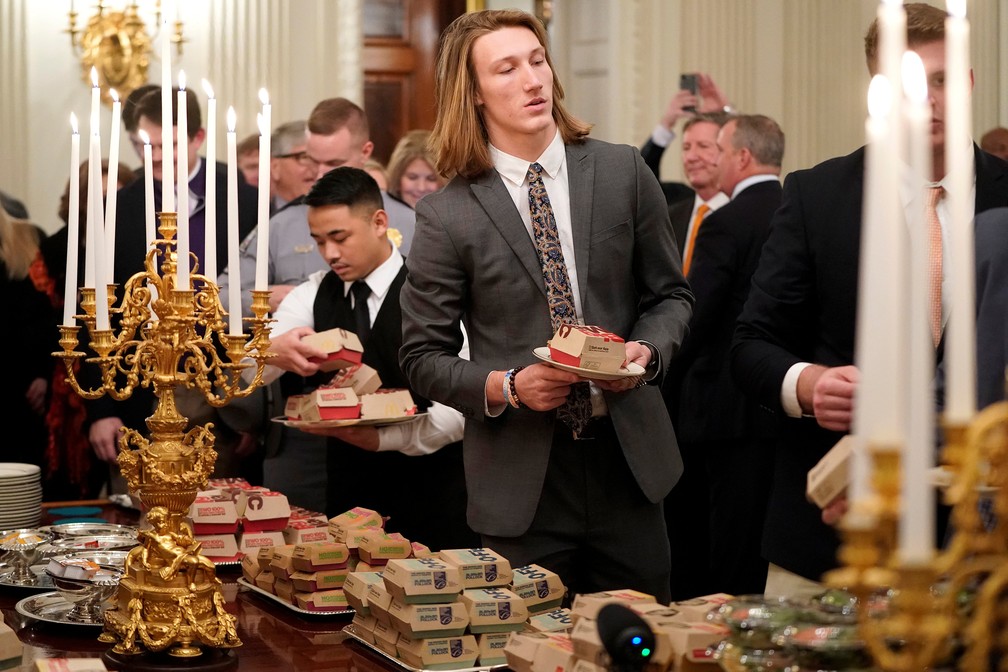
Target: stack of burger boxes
[355, 392]
[683, 636]
[232, 518]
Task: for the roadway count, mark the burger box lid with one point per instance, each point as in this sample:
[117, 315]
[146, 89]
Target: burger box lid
[214, 514]
[421, 550]
[581, 665]
[424, 580]
[220, 547]
[587, 642]
[263, 556]
[342, 348]
[387, 403]
[439, 653]
[588, 604]
[541, 589]
[521, 647]
[284, 588]
[491, 647]
[251, 542]
[376, 546]
[11, 647]
[314, 557]
[692, 640]
[266, 581]
[494, 610]
[266, 512]
[587, 347]
[364, 624]
[558, 620]
[361, 378]
[417, 621]
[386, 637]
[301, 513]
[322, 600]
[282, 564]
[696, 609]
[343, 526]
[250, 568]
[355, 587]
[556, 654]
[379, 599]
[331, 403]
[292, 407]
[829, 477]
[478, 567]
[306, 531]
[328, 579]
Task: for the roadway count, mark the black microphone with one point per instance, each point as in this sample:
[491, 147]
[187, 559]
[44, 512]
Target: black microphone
[627, 638]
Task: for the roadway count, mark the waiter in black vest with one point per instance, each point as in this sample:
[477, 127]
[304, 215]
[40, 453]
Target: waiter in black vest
[411, 472]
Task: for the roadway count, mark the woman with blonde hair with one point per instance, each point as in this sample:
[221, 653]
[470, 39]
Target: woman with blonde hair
[411, 174]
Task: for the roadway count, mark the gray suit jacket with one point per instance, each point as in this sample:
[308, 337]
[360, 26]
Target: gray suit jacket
[473, 261]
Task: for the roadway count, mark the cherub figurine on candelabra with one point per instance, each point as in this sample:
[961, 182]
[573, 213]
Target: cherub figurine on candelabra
[169, 598]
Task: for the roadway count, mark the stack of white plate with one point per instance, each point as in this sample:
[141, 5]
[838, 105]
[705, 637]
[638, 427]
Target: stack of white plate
[20, 495]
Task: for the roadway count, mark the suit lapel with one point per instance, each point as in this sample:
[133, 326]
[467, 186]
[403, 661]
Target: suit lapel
[581, 186]
[493, 196]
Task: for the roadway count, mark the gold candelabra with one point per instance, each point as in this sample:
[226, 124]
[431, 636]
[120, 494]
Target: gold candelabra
[169, 598]
[952, 609]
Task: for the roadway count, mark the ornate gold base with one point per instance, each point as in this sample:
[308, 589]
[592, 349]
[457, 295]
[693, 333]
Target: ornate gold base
[223, 660]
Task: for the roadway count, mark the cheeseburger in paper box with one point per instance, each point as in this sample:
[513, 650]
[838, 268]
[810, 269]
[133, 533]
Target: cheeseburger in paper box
[361, 378]
[587, 347]
[388, 403]
[330, 403]
[342, 348]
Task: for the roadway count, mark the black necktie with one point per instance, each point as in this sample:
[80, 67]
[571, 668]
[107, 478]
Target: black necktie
[362, 318]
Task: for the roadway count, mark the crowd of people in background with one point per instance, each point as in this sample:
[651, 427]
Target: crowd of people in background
[735, 293]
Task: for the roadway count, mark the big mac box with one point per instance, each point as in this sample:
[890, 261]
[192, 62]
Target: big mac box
[541, 589]
[587, 347]
[266, 512]
[214, 514]
[342, 348]
[422, 580]
[376, 546]
[494, 610]
[360, 378]
[441, 653]
[478, 567]
[417, 621]
[330, 403]
[387, 403]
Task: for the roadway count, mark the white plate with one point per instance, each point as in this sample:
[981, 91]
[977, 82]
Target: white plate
[631, 370]
[293, 607]
[19, 469]
[322, 424]
[50, 608]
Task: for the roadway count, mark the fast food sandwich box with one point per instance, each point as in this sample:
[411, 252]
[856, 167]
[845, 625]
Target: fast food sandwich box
[266, 581]
[829, 477]
[301, 513]
[422, 580]
[284, 589]
[587, 605]
[229, 482]
[317, 557]
[11, 648]
[387, 403]
[417, 621]
[282, 564]
[386, 637]
[58, 664]
[491, 648]
[214, 514]
[306, 530]
[311, 582]
[690, 644]
[364, 625]
[587, 642]
[421, 550]
[581, 665]
[558, 620]
[587, 347]
[377, 547]
[330, 403]
[379, 600]
[346, 526]
[322, 600]
[251, 542]
[219, 547]
[356, 586]
[556, 654]
[494, 610]
[541, 589]
[292, 407]
[441, 653]
[521, 648]
[266, 512]
[342, 348]
[478, 567]
[360, 378]
[250, 568]
[263, 556]
[695, 609]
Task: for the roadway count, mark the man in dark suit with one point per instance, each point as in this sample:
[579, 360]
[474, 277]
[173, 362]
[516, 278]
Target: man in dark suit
[794, 345]
[569, 477]
[106, 414]
[725, 438]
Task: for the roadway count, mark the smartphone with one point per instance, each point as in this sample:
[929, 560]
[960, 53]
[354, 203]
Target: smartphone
[688, 82]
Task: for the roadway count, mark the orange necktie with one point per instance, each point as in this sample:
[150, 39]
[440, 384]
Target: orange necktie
[935, 260]
[697, 220]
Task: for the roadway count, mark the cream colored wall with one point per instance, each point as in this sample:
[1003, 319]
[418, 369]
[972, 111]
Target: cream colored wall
[800, 61]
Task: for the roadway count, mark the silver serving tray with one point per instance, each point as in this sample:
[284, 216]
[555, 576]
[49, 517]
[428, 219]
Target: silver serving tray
[49, 608]
[293, 607]
[351, 632]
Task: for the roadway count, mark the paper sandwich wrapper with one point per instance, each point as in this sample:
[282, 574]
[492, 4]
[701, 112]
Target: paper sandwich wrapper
[587, 347]
[829, 478]
[342, 348]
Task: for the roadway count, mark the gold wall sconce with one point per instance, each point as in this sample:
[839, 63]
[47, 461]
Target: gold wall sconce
[116, 42]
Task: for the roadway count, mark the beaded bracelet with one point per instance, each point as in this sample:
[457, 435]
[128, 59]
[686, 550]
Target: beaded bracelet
[510, 391]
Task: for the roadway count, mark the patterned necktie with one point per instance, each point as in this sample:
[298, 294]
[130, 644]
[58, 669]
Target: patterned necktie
[576, 411]
[691, 241]
[935, 261]
[362, 318]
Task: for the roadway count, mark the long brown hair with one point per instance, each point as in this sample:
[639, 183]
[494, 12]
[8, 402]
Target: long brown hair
[459, 139]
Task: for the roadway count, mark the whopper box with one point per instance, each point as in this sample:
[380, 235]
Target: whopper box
[587, 347]
[342, 348]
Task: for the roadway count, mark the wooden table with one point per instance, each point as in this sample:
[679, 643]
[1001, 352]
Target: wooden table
[273, 638]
